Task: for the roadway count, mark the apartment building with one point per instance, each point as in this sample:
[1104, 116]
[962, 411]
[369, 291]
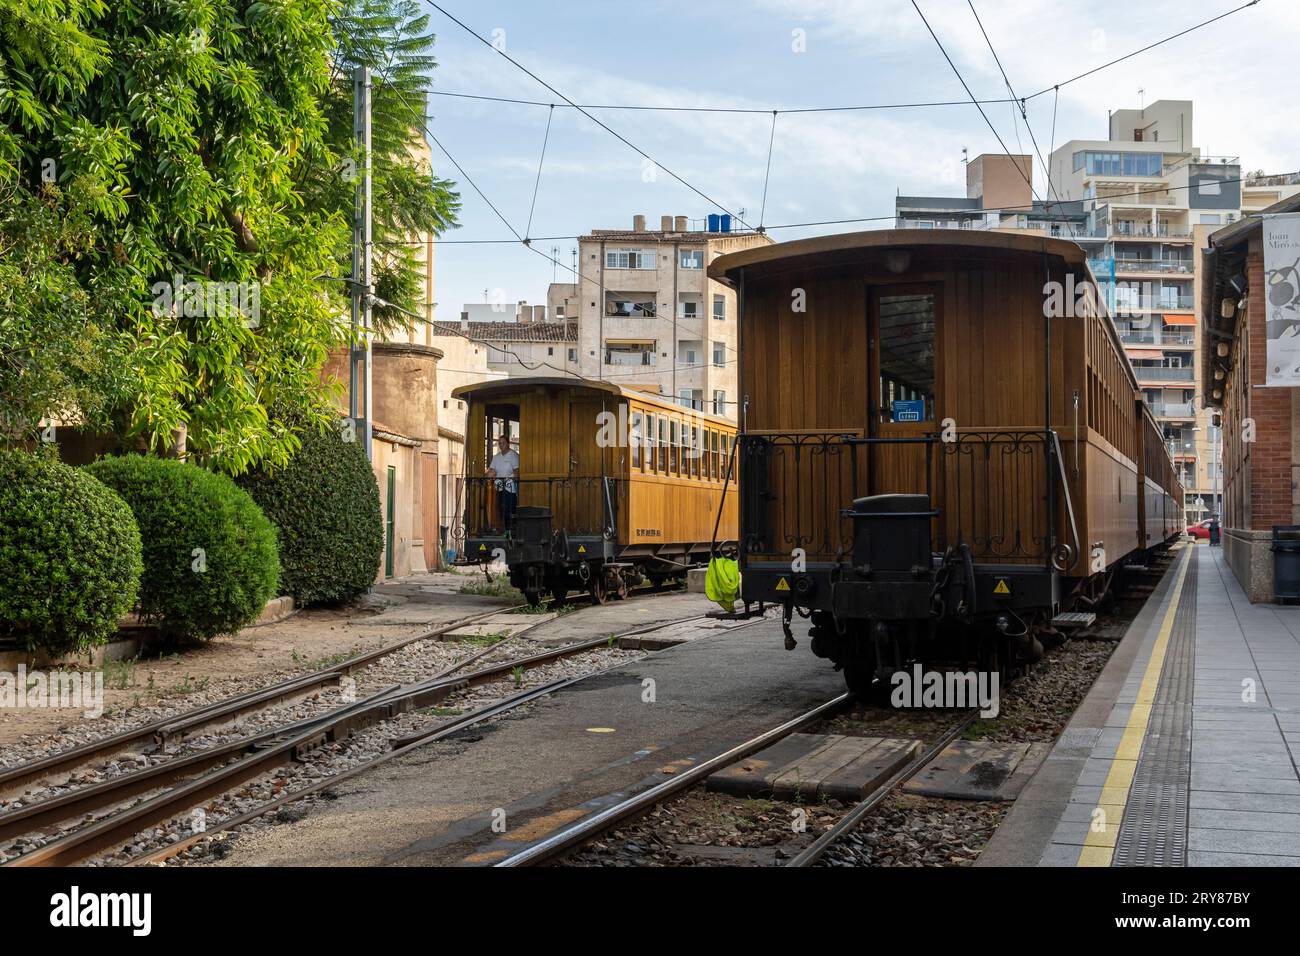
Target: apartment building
[998, 197]
[648, 315]
[1152, 199]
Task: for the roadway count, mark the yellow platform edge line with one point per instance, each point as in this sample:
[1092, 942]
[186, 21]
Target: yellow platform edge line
[1099, 847]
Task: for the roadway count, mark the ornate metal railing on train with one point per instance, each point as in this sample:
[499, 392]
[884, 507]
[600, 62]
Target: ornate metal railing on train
[584, 505]
[991, 489]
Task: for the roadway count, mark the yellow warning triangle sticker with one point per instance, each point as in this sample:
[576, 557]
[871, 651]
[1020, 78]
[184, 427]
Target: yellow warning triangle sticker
[482, 547]
[1002, 587]
[783, 585]
[582, 549]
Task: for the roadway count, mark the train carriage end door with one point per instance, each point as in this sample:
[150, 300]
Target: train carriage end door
[906, 372]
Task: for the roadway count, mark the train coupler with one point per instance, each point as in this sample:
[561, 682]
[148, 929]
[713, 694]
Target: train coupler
[787, 615]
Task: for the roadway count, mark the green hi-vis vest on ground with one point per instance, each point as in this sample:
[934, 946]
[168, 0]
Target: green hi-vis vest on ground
[722, 582]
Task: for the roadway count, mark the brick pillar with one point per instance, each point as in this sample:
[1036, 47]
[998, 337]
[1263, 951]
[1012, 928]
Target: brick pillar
[1272, 455]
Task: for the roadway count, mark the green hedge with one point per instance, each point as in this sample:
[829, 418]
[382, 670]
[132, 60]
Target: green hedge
[69, 555]
[326, 505]
[210, 559]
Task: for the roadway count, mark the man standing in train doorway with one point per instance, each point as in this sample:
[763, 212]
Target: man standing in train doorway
[505, 469]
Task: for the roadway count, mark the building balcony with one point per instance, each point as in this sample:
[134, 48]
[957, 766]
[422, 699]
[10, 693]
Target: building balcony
[1181, 267]
[1162, 373]
[1132, 230]
[624, 358]
[1173, 338]
[1173, 409]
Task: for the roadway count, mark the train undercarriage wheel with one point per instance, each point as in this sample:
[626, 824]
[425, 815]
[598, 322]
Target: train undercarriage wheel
[533, 597]
[559, 595]
[596, 587]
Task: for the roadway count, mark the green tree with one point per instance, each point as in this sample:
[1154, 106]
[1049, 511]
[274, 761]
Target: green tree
[392, 38]
[175, 181]
[60, 355]
[200, 231]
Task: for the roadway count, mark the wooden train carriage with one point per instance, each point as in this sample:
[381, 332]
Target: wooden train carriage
[905, 397]
[1162, 492]
[615, 485]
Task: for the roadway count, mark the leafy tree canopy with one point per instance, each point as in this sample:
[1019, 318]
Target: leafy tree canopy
[174, 177]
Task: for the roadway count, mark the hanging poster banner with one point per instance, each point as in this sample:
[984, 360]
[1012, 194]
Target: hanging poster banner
[1281, 295]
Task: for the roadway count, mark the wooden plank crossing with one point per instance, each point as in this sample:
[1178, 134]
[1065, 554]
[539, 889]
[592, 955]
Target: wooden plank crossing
[809, 767]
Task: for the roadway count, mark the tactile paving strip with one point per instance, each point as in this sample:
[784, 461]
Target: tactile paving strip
[1154, 830]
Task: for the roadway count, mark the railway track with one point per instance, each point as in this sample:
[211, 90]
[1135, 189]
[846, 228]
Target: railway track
[573, 838]
[184, 782]
[164, 733]
[580, 834]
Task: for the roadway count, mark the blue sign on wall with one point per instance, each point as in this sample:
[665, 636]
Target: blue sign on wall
[912, 410]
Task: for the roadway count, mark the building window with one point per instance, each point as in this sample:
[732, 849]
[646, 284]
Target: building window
[573, 355]
[719, 307]
[629, 259]
[630, 353]
[692, 259]
[631, 308]
[719, 354]
[1121, 164]
[550, 350]
[690, 309]
[1211, 219]
[719, 402]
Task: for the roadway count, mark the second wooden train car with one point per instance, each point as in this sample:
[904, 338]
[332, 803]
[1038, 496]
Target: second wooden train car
[615, 486]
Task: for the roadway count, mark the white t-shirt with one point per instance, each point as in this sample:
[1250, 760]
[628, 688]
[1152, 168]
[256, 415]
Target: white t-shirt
[506, 466]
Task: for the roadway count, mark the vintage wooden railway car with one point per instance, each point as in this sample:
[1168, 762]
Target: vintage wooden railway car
[616, 486]
[931, 467]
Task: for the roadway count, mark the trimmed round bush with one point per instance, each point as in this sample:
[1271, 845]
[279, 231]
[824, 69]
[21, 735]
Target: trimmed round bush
[325, 504]
[69, 555]
[210, 560]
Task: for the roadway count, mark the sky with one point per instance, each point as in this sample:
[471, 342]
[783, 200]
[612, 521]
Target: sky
[792, 54]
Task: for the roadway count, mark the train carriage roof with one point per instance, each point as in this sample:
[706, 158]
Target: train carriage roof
[801, 253]
[504, 387]
[842, 248]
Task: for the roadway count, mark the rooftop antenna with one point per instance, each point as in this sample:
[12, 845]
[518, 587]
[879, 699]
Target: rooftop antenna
[965, 156]
[555, 257]
[1142, 97]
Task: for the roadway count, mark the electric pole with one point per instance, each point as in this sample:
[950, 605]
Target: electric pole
[359, 364]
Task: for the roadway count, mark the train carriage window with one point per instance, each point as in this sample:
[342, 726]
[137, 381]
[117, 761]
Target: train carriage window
[673, 448]
[635, 439]
[906, 331]
[652, 422]
[661, 454]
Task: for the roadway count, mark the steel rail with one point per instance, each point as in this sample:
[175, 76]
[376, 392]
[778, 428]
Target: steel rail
[815, 850]
[596, 824]
[166, 729]
[400, 746]
[162, 732]
[249, 757]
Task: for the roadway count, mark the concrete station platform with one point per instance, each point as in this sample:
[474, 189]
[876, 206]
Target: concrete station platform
[1185, 751]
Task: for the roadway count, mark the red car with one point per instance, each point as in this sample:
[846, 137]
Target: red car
[1201, 529]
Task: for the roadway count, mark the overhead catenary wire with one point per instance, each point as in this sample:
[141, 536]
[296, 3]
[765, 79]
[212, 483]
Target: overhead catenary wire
[448, 326]
[1024, 115]
[827, 109]
[585, 112]
[824, 222]
[526, 241]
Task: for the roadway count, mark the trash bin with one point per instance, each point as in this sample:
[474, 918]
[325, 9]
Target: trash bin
[1286, 560]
